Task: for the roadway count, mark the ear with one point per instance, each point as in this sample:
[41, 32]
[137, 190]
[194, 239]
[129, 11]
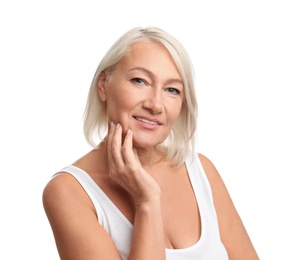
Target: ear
[102, 85]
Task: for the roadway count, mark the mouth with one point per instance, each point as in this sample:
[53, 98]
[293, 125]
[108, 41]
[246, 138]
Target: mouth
[148, 120]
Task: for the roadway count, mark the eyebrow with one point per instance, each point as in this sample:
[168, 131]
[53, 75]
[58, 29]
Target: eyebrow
[142, 69]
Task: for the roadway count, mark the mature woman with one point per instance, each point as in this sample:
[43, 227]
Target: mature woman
[143, 192]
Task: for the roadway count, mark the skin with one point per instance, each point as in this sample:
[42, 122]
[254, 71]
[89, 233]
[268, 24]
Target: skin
[144, 95]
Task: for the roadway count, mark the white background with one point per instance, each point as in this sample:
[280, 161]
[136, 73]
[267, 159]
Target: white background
[247, 66]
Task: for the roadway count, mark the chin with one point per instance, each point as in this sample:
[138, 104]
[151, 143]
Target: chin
[143, 144]
[146, 142]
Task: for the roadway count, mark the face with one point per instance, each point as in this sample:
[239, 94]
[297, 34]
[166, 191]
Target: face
[144, 93]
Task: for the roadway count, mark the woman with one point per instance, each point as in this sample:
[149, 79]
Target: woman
[142, 192]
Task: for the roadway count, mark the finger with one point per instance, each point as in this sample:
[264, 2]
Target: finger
[109, 139]
[136, 155]
[129, 156]
[116, 146]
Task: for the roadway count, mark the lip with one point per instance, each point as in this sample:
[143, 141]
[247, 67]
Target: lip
[152, 123]
[148, 118]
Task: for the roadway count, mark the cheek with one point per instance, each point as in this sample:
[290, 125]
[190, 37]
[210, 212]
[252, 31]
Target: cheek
[114, 99]
[119, 104]
[115, 107]
[174, 111]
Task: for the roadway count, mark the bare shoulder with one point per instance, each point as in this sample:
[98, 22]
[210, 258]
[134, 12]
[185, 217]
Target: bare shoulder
[74, 221]
[232, 229]
[63, 197]
[61, 189]
[209, 167]
[216, 182]
[64, 190]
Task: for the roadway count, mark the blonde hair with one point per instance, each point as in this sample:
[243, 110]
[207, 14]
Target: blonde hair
[182, 137]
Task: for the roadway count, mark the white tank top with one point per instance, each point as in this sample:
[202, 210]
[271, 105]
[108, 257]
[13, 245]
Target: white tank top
[209, 246]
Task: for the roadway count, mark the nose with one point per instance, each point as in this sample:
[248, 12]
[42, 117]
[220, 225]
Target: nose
[154, 102]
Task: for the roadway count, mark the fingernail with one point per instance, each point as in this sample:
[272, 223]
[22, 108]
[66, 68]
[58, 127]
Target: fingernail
[112, 123]
[118, 125]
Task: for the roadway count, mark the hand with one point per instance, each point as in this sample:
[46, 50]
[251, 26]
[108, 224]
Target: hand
[126, 169]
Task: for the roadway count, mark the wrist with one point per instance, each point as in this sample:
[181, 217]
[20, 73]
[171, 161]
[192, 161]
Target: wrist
[149, 204]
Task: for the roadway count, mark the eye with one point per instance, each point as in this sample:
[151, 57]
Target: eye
[138, 81]
[173, 91]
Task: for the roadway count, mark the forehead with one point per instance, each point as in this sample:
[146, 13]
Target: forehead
[146, 47]
[150, 55]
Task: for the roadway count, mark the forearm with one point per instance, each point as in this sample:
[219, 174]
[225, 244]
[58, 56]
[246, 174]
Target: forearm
[148, 240]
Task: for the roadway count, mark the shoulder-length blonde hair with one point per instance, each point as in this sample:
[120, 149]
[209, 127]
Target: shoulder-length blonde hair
[182, 137]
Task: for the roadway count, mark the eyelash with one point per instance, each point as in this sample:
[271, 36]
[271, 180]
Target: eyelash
[140, 81]
[173, 89]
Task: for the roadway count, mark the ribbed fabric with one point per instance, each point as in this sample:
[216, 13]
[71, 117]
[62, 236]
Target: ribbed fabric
[209, 246]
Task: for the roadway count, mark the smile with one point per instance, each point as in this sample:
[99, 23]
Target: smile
[146, 121]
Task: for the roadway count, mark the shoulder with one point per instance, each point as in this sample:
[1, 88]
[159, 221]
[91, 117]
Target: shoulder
[61, 184]
[232, 230]
[218, 187]
[209, 168]
[74, 220]
[64, 188]
[63, 191]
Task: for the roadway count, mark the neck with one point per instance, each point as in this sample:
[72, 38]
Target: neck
[147, 156]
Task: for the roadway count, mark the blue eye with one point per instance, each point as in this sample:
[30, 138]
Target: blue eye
[138, 81]
[173, 91]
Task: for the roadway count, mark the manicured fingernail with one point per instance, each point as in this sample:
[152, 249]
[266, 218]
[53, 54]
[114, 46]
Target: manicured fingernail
[118, 125]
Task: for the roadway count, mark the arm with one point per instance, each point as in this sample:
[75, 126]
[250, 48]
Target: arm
[74, 223]
[73, 219]
[233, 233]
[125, 168]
